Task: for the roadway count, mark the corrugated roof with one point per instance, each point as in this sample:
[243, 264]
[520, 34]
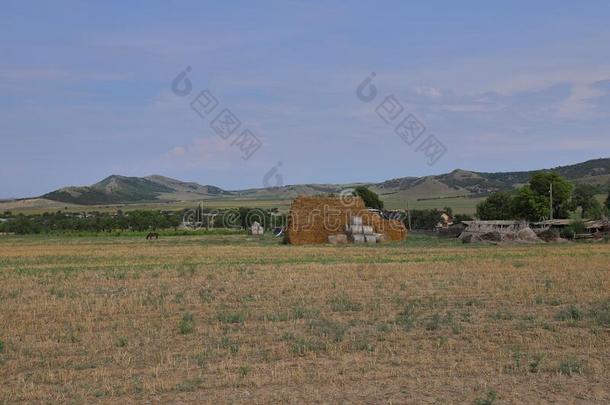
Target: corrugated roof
[498, 222]
[554, 222]
[595, 224]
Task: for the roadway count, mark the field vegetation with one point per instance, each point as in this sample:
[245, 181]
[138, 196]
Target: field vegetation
[235, 318]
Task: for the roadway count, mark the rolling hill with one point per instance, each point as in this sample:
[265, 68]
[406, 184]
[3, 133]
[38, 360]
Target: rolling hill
[459, 188]
[124, 190]
[595, 172]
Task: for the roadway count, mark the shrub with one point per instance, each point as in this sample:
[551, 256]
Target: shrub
[342, 303]
[229, 345]
[574, 228]
[406, 318]
[189, 385]
[601, 313]
[299, 312]
[489, 399]
[301, 346]
[457, 218]
[329, 329]
[434, 322]
[534, 364]
[571, 313]
[424, 219]
[244, 371]
[571, 366]
[186, 324]
[231, 317]
[206, 295]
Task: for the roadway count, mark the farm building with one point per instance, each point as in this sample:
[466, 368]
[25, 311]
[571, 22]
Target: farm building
[330, 219]
[591, 227]
[489, 226]
[256, 229]
[497, 231]
[445, 222]
[558, 224]
[600, 225]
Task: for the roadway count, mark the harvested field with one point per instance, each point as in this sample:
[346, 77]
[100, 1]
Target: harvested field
[243, 319]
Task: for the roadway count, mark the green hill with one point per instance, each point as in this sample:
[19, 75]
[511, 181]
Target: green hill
[124, 190]
[442, 189]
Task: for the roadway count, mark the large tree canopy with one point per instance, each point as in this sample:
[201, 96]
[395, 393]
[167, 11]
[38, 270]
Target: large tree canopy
[371, 199]
[584, 197]
[531, 202]
[540, 183]
[497, 206]
[530, 206]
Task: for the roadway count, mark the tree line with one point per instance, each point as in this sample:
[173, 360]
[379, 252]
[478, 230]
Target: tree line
[532, 202]
[136, 220]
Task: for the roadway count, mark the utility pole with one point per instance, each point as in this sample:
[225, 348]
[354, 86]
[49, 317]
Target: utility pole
[551, 194]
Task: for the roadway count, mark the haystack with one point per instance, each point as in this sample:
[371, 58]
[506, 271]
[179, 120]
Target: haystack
[313, 219]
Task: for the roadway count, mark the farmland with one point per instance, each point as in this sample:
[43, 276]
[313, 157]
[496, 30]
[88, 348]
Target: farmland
[234, 318]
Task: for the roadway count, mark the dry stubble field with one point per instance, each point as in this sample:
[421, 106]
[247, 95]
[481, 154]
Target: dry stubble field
[235, 319]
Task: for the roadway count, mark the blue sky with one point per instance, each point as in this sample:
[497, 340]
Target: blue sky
[86, 88]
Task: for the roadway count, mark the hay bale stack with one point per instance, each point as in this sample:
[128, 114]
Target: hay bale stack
[338, 239]
[312, 220]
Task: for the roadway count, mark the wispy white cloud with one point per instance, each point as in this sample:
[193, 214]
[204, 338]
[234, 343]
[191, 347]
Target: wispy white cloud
[49, 74]
[34, 74]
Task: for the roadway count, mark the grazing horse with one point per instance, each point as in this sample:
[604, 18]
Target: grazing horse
[152, 235]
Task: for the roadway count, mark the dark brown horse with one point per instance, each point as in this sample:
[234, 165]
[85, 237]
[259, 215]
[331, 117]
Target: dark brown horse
[152, 235]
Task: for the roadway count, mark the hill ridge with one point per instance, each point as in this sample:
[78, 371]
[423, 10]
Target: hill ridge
[118, 189]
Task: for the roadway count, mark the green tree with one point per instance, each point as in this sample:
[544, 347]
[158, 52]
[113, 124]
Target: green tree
[23, 225]
[608, 202]
[530, 206]
[457, 218]
[540, 185]
[371, 199]
[569, 231]
[584, 197]
[424, 219]
[497, 206]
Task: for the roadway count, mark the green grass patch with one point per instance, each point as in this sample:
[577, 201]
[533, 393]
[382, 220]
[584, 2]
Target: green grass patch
[572, 313]
[231, 317]
[186, 324]
[342, 303]
[571, 366]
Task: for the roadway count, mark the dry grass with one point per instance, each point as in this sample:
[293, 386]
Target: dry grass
[230, 319]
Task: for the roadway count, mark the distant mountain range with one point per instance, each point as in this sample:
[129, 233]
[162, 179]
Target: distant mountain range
[457, 184]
